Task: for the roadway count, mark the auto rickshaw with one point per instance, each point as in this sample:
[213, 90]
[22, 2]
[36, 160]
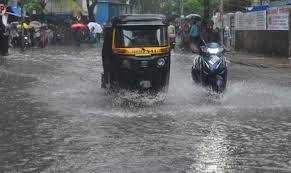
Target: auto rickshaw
[136, 53]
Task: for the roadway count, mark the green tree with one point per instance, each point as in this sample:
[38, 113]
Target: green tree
[3, 1]
[39, 6]
[174, 7]
[193, 6]
[236, 5]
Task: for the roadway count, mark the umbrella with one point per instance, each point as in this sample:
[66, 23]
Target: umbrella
[97, 28]
[194, 16]
[78, 26]
[14, 11]
[35, 24]
[14, 23]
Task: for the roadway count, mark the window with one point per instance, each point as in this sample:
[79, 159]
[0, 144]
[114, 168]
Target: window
[141, 36]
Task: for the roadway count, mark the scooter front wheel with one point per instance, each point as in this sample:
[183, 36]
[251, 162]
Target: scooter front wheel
[218, 84]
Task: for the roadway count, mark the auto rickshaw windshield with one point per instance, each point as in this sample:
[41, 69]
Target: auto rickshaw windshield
[141, 36]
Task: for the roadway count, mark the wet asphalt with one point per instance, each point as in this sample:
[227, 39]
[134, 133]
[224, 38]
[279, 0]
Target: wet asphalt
[54, 117]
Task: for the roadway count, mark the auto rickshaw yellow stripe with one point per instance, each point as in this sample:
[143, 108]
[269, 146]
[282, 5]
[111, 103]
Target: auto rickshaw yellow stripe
[113, 38]
[141, 51]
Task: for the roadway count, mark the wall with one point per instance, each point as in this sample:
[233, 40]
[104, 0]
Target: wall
[107, 10]
[271, 42]
[263, 42]
[102, 14]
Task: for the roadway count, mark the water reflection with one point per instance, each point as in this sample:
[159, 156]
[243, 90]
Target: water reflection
[26, 138]
[212, 152]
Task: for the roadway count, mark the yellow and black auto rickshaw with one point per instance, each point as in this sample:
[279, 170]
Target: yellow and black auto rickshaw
[136, 53]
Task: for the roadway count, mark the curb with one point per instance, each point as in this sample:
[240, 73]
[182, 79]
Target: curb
[249, 64]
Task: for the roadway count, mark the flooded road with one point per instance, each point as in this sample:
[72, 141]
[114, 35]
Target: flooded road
[54, 117]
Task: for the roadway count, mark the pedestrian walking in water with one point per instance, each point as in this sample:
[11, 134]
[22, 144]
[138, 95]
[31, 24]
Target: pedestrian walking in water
[195, 36]
[3, 38]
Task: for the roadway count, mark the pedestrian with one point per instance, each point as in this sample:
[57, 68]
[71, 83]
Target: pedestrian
[227, 36]
[195, 36]
[216, 35]
[4, 37]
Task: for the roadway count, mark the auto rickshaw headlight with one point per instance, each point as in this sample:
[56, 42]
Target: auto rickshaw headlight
[161, 62]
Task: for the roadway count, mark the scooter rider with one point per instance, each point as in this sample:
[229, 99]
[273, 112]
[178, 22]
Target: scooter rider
[195, 35]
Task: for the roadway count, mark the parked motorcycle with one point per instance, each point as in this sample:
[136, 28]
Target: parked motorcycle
[209, 68]
[26, 41]
[58, 37]
[58, 34]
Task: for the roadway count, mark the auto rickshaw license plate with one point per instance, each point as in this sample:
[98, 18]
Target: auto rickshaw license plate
[145, 84]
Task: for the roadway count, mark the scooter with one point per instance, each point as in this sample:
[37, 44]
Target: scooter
[26, 41]
[210, 68]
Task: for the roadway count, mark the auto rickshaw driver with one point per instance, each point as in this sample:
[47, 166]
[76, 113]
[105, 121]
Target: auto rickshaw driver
[143, 39]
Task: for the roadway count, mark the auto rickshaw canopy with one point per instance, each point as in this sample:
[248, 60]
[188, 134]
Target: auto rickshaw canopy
[140, 19]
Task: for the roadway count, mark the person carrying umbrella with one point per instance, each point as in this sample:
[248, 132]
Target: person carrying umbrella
[95, 30]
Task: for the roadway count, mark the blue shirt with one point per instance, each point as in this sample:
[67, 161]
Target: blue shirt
[194, 32]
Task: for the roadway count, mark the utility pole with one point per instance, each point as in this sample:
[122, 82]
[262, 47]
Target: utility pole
[182, 7]
[22, 28]
[206, 10]
[222, 21]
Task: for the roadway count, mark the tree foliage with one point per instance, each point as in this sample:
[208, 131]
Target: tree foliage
[236, 5]
[3, 1]
[39, 5]
[174, 7]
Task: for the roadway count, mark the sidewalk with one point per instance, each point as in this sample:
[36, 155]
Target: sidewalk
[258, 60]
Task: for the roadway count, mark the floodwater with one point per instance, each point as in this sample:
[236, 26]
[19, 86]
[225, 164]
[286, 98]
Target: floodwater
[54, 117]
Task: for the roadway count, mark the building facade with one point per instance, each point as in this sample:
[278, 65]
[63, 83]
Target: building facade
[107, 9]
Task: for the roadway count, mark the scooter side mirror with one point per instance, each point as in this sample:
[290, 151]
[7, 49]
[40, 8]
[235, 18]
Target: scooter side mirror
[194, 49]
[203, 49]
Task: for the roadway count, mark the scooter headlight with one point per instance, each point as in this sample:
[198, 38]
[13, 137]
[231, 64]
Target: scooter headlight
[212, 50]
[161, 62]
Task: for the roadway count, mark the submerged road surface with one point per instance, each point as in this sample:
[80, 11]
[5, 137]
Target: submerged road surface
[54, 117]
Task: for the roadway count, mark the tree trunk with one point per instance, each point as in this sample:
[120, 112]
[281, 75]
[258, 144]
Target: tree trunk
[91, 8]
[42, 5]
